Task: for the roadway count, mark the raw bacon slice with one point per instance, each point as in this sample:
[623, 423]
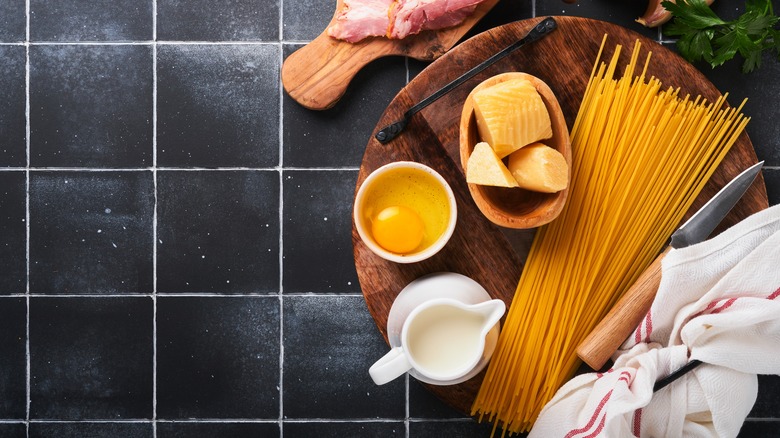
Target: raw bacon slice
[397, 19]
[414, 16]
[360, 19]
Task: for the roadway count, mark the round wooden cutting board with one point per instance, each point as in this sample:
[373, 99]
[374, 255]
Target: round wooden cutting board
[478, 249]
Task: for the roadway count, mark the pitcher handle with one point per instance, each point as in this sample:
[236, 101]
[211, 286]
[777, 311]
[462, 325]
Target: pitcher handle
[390, 366]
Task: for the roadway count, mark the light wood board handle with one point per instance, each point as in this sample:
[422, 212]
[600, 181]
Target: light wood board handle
[596, 349]
[317, 74]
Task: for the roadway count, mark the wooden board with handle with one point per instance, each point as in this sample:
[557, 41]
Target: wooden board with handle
[479, 249]
[317, 75]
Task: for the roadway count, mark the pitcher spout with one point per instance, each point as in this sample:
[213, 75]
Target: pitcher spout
[491, 312]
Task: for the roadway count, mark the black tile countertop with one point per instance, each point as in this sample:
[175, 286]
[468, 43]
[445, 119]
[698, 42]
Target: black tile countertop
[175, 231]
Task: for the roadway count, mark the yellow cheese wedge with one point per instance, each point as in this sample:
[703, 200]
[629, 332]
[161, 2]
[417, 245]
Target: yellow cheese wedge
[485, 168]
[539, 168]
[511, 115]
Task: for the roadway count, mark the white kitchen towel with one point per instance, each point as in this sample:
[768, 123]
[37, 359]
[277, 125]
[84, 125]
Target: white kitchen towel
[718, 303]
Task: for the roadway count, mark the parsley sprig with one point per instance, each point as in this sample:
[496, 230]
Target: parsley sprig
[705, 36]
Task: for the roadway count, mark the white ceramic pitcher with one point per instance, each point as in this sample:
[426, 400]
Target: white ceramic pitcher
[443, 329]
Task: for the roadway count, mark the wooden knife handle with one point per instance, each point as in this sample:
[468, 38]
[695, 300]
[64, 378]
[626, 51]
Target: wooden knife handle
[596, 349]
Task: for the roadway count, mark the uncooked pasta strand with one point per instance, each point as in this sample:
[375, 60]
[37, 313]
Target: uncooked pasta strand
[641, 155]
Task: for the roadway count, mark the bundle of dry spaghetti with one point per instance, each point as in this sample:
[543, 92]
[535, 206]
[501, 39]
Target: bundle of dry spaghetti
[641, 155]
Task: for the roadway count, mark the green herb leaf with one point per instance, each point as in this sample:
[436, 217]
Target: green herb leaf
[705, 36]
[752, 61]
[701, 43]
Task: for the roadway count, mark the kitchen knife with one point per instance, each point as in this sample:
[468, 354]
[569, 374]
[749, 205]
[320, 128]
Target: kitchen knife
[624, 317]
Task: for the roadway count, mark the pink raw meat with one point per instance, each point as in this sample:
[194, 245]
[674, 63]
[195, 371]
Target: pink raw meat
[413, 16]
[360, 19]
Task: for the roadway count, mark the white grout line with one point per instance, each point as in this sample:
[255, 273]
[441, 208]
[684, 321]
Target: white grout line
[198, 169]
[267, 420]
[148, 43]
[28, 369]
[189, 295]
[218, 43]
[154, 219]
[281, 223]
[175, 169]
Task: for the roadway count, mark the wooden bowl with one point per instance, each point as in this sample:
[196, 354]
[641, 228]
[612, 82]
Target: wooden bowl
[515, 207]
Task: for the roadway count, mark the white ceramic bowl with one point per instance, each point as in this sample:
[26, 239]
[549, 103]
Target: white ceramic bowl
[364, 227]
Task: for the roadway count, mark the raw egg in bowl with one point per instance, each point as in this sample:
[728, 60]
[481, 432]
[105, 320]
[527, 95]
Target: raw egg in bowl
[405, 212]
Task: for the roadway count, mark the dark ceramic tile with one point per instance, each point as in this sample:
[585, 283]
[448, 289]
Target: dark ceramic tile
[416, 67]
[217, 357]
[453, 429]
[760, 429]
[12, 21]
[505, 11]
[772, 180]
[329, 344]
[13, 134]
[218, 105]
[623, 14]
[346, 429]
[13, 430]
[423, 404]
[318, 231]
[217, 430]
[13, 358]
[234, 20]
[90, 430]
[303, 20]
[91, 20]
[91, 232]
[91, 358]
[338, 136]
[767, 405]
[761, 88]
[218, 231]
[91, 106]
[13, 233]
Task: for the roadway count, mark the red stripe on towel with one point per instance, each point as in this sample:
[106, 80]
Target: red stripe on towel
[724, 306]
[599, 428]
[592, 420]
[625, 376]
[648, 325]
[637, 422]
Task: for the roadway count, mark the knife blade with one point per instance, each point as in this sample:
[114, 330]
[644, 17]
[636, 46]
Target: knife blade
[708, 217]
[628, 312]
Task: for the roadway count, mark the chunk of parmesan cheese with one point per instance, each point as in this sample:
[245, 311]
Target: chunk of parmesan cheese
[540, 168]
[511, 115]
[485, 168]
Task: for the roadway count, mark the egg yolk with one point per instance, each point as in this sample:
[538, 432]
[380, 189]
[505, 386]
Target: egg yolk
[398, 229]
